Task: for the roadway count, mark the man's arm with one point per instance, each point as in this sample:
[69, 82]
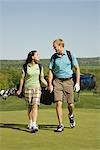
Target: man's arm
[77, 85]
[50, 79]
[77, 70]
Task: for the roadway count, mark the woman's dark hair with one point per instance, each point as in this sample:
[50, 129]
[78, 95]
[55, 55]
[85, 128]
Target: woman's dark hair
[29, 57]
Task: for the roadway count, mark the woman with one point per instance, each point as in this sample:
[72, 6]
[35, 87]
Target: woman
[31, 81]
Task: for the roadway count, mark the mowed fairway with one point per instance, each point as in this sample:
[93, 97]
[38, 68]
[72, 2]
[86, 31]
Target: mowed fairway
[15, 136]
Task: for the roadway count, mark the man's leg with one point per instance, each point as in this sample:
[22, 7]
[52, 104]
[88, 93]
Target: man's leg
[60, 127]
[58, 95]
[59, 111]
[71, 116]
[70, 109]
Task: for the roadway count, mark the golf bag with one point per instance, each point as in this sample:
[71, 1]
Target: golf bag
[87, 82]
[8, 92]
[47, 98]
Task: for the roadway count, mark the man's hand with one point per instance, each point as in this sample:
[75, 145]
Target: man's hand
[77, 87]
[50, 88]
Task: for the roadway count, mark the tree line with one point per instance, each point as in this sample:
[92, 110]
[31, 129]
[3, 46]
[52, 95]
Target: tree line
[10, 71]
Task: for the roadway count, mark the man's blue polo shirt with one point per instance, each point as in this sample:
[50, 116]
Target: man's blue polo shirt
[61, 65]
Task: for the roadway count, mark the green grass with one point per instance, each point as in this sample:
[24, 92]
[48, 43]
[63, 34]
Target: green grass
[88, 100]
[85, 136]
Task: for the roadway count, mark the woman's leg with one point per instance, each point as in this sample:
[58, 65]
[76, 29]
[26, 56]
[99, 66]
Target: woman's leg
[34, 113]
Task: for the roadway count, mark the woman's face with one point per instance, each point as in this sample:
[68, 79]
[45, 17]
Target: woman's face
[36, 57]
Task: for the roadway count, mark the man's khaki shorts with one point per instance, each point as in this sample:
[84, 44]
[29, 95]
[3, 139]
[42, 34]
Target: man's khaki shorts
[63, 90]
[32, 96]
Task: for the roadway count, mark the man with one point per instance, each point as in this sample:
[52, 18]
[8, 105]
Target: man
[60, 80]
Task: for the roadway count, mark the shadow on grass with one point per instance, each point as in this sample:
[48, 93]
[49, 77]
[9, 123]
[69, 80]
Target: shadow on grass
[48, 127]
[20, 127]
[23, 127]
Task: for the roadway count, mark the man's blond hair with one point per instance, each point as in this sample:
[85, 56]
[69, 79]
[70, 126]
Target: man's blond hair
[58, 42]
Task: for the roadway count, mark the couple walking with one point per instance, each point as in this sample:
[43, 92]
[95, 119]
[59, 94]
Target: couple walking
[59, 80]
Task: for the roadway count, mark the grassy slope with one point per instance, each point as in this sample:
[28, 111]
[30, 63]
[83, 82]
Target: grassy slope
[85, 136]
[87, 100]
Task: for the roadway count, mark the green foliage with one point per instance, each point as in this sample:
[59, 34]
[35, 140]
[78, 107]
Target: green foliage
[89, 62]
[10, 71]
[4, 81]
[9, 78]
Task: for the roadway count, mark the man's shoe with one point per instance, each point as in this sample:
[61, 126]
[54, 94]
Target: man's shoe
[60, 128]
[72, 121]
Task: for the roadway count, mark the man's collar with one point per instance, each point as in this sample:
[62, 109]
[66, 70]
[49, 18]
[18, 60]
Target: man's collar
[60, 55]
[64, 53]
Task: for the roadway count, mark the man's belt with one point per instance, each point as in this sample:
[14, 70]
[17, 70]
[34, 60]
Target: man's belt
[64, 79]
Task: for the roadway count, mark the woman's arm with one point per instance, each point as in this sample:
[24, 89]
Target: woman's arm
[42, 77]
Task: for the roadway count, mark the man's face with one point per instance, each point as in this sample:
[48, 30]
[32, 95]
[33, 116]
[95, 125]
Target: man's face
[58, 48]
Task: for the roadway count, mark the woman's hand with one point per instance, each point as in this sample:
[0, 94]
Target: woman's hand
[18, 92]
